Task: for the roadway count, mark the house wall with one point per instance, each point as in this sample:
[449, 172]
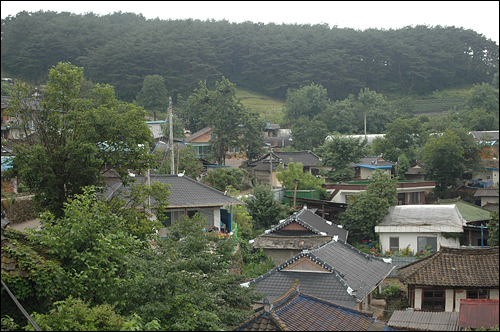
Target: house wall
[263, 177]
[452, 297]
[366, 173]
[486, 200]
[281, 255]
[488, 174]
[156, 129]
[410, 238]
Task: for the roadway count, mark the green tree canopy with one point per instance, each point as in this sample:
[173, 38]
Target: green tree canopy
[186, 161]
[188, 286]
[338, 152]
[308, 134]
[448, 156]
[223, 178]
[76, 138]
[233, 125]
[153, 95]
[365, 210]
[307, 101]
[307, 181]
[263, 208]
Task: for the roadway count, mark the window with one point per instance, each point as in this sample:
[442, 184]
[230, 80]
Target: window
[171, 217]
[413, 198]
[394, 244]
[401, 199]
[433, 299]
[423, 242]
[477, 294]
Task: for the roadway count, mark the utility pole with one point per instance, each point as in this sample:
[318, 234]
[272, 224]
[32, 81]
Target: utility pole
[365, 126]
[271, 167]
[171, 136]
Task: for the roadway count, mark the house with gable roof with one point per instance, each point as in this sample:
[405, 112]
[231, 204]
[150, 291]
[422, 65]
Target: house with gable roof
[302, 230]
[418, 226]
[438, 282]
[334, 271]
[187, 197]
[262, 167]
[298, 311]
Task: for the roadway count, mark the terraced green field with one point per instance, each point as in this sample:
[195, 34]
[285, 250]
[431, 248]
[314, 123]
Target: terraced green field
[270, 109]
[436, 106]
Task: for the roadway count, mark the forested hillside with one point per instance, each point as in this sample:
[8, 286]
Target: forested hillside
[123, 48]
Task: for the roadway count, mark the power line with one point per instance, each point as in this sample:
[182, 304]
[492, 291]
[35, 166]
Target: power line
[32, 322]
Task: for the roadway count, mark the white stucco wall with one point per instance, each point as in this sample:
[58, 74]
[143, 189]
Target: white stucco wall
[410, 238]
[367, 172]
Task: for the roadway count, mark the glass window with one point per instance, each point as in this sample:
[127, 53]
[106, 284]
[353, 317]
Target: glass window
[424, 242]
[394, 244]
[413, 198]
[477, 294]
[433, 300]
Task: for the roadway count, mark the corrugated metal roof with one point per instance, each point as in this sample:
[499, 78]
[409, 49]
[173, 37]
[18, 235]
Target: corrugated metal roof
[423, 215]
[471, 212]
[425, 320]
[478, 313]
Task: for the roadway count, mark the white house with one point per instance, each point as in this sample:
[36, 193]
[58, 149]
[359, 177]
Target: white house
[419, 226]
[156, 127]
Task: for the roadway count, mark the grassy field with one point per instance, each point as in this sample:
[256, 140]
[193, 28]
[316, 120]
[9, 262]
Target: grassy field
[434, 106]
[270, 109]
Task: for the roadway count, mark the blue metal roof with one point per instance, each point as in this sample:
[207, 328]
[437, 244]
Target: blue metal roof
[375, 167]
[6, 163]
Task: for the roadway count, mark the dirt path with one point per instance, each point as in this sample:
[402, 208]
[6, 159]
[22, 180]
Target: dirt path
[26, 224]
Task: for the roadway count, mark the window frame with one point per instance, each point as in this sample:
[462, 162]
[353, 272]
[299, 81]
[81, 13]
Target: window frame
[441, 300]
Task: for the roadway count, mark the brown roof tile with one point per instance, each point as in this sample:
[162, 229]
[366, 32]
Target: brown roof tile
[455, 267]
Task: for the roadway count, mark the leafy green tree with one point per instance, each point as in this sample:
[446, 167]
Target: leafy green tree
[263, 208]
[403, 166]
[223, 178]
[485, 97]
[307, 101]
[308, 134]
[91, 243]
[153, 95]
[338, 152]
[76, 138]
[244, 221]
[493, 230]
[294, 172]
[365, 210]
[186, 161]
[188, 284]
[178, 128]
[233, 125]
[6, 89]
[448, 156]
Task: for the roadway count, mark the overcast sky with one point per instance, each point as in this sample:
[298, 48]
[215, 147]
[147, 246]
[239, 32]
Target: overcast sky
[480, 16]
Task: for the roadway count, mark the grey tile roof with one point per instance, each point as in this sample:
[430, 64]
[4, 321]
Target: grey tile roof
[184, 192]
[298, 311]
[485, 135]
[360, 271]
[325, 285]
[352, 274]
[424, 320]
[307, 158]
[314, 223]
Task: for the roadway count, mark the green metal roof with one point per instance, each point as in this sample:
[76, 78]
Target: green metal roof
[471, 212]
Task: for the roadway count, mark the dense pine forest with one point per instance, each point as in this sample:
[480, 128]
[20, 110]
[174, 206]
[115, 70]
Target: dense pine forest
[123, 48]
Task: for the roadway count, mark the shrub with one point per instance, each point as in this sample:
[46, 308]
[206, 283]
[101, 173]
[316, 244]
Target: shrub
[391, 291]
[76, 315]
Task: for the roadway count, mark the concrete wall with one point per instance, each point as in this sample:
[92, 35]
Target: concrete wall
[366, 173]
[406, 239]
[281, 255]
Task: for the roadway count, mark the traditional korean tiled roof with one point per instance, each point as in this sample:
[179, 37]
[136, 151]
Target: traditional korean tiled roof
[424, 320]
[312, 222]
[335, 271]
[454, 267]
[307, 158]
[184, 192]
[297, 311]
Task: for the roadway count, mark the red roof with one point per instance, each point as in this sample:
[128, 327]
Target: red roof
[478, 313]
